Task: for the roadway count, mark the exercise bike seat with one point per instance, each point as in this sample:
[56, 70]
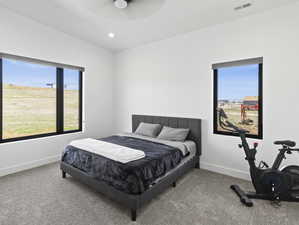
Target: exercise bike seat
[286, 143]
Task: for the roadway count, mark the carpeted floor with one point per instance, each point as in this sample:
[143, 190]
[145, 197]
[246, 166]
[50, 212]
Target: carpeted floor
[41, 197]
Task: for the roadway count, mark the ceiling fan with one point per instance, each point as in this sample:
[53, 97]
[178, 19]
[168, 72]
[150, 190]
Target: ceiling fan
[121, 4]
[123, 9]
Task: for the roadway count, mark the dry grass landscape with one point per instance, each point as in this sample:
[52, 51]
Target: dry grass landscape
[32, 110]
[233, 111]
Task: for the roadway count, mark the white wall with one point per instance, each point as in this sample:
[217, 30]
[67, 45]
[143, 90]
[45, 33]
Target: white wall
[22, 36]
[173, 77]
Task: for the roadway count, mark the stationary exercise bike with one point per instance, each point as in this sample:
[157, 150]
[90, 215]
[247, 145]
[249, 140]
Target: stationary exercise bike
[273, 183]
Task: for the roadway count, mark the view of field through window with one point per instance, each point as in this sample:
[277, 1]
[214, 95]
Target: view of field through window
[29, 99]
[71, 99]
[238, 96]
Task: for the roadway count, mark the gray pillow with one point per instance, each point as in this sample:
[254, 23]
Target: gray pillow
[173, 134]
[148, 129]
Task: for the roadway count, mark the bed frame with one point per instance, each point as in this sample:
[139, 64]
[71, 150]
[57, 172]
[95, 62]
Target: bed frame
[135, 202]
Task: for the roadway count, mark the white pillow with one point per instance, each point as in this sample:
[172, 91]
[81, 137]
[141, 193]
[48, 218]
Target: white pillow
[148, 129]
[173, 134]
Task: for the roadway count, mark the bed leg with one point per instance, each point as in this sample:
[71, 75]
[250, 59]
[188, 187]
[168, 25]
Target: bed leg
[174, 184]
[63, 174]
[133, 214]
[197, 165]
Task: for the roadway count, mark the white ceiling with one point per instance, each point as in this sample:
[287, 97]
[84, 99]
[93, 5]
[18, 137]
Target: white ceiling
[92, 20]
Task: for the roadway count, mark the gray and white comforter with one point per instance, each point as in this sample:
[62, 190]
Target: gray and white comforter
[133, 177]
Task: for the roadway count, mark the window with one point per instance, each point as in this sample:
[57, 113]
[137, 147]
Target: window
[238, 91]
[71, 99]
[38, 98]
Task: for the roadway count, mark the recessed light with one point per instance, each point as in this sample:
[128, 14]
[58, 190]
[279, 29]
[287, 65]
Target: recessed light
[111, 35]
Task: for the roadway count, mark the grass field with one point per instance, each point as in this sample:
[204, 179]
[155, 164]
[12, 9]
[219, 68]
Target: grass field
[32, 110]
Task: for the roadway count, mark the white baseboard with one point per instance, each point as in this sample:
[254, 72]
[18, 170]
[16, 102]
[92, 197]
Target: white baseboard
[29, 165]
[226, 171]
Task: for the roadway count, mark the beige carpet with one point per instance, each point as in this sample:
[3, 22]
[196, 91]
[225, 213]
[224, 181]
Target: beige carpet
[40, 197]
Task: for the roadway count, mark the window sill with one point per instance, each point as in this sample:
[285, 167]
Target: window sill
[37, 137]
[260, 137]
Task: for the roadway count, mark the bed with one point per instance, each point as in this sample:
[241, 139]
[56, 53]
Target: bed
[127, 194]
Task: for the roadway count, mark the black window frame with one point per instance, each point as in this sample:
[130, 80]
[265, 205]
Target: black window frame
[253, 61]
[59, 97]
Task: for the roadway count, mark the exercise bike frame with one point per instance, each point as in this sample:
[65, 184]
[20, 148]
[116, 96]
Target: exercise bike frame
[257, 174]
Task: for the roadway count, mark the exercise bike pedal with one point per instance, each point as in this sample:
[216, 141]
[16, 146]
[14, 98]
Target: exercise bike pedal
[242, 195]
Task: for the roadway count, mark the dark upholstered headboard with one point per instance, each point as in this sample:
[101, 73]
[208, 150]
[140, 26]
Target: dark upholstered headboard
[193, 124]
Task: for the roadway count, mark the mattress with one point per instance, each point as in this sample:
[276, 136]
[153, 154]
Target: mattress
[134, 177]
[189, 151]
[192, 153]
